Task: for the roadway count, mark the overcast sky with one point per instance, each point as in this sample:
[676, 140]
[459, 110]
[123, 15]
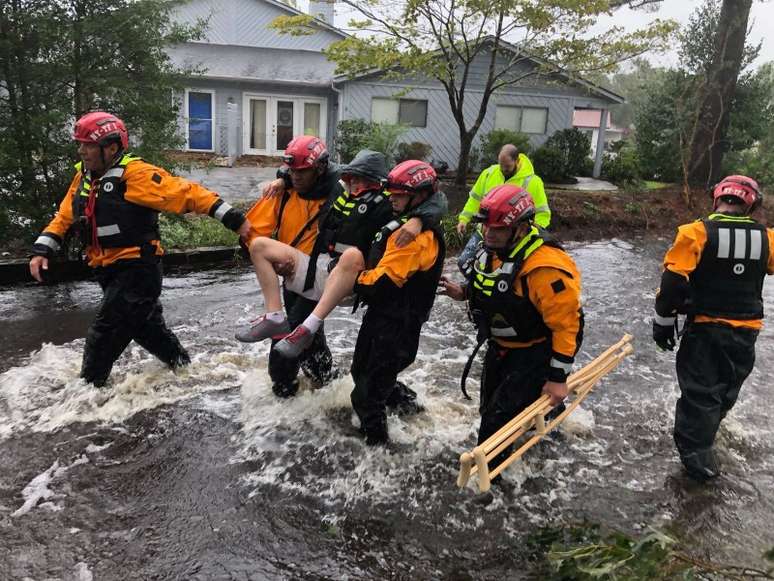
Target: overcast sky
[761, 18]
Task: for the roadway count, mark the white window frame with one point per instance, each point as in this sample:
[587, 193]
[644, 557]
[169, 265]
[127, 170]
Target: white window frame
[398, 100]
[187, 118]
[271, 119]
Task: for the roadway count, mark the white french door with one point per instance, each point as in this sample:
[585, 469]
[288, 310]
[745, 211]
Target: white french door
[270, 122]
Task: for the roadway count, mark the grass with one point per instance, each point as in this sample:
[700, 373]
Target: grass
[191, 231]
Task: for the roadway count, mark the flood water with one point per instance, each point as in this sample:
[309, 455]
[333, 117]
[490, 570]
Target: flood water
[206, 475]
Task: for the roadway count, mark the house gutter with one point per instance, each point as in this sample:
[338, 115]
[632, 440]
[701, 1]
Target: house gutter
[338, 109]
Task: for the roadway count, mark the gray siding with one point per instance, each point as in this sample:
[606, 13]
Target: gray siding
[442, 132]
[234, 91]
[245, 23]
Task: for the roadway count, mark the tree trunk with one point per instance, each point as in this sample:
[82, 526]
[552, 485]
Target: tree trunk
[717, 95]
[466, 141]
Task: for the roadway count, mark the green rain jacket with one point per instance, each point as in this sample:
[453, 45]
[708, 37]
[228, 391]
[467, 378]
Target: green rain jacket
[524, 177]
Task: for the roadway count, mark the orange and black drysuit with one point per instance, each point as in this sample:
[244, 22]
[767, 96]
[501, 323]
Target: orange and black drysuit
[526, 303]
[116, 215]
[399, 286]
[713, 273]
[293, 218]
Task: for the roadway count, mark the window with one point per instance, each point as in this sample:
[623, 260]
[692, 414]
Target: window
[200, 120]
[523, 119]
[412, 112]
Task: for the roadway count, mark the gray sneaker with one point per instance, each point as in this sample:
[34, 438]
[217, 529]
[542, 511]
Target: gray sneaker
[263, 328]
[296, 343]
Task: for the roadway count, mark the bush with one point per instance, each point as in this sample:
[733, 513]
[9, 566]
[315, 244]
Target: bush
[413, 150]
[575, 147]
[194, 231]
[492, 142]
[352, 135]
[623, 168]
[588, 168]
[549, 164]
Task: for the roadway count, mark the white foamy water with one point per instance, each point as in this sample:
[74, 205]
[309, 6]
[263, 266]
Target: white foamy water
[46, 393]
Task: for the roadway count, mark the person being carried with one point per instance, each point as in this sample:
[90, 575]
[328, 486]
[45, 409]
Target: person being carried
[512, 168]
[113, 202]
[524, 296]
[347, 220]
[714, 273]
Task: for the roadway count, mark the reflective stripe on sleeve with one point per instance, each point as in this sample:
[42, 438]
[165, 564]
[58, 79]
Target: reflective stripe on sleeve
[664, 321]
[48, 241]
[221, 211]
[566, 367]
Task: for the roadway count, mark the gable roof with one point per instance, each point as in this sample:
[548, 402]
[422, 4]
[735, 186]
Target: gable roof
[588, 85]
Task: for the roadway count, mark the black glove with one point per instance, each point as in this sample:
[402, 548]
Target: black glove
[664, 336]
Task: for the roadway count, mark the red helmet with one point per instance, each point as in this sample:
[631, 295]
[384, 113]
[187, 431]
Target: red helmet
[101, 128]
[506, 205]
[411, 176]
[741, 187]
[305, 151]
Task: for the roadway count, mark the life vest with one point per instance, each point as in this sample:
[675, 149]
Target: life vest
[416, 297]
[352, 222]
[119, 223]
[728, 281]
[493, 301]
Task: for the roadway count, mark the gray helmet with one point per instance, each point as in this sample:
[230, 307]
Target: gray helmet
[368, 164]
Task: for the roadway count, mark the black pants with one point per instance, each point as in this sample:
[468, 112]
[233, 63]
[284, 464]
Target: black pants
[316, 362]
[712, 363]
[512, 380]
[130, 309]
[385, 346]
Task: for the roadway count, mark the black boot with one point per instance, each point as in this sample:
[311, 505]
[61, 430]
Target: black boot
[376, 432]
[701, 465]
[285, 390]
[403, 400]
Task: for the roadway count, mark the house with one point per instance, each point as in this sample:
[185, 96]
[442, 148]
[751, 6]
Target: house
[259, 88]
[588, 121]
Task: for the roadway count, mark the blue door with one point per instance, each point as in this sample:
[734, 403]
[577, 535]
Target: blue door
[200, 120]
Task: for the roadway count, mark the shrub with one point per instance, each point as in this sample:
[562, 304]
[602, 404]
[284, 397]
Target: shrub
[352, 135]
[574, 146]
[549, 164]
[492, 142]
[623, 168]
[413, 150]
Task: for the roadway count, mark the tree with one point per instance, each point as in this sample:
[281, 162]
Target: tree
[717, 94]
[446, 40]
[61, 58]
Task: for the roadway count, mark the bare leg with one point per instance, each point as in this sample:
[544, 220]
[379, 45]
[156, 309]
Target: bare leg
[265, 253]
[340, 282]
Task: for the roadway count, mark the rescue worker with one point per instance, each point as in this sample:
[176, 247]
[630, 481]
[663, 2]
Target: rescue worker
[308, 182]
[512, 168]
[524, 296]
[714, 273]
[398, 286]
[348, 232]
[114, 201]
